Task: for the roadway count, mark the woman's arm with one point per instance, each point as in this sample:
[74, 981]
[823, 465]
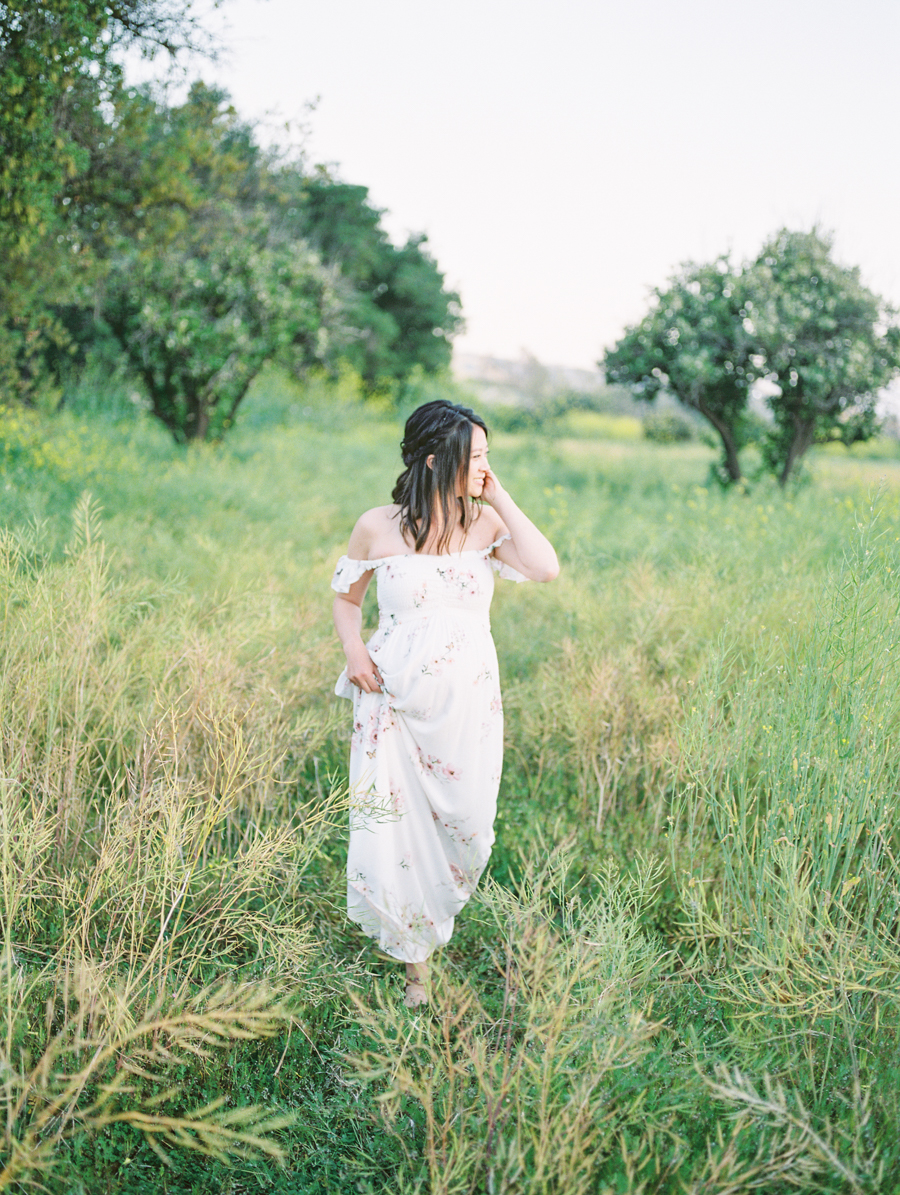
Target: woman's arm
[529, 551]
[361, 668]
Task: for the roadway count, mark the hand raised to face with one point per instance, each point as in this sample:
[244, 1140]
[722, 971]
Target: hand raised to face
[491, 489]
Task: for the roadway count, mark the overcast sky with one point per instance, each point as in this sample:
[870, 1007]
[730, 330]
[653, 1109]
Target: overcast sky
[563, 156]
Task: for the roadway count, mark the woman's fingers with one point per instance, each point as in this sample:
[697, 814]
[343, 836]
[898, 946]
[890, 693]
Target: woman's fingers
[491, 488]
[369, 681]
[362, 670]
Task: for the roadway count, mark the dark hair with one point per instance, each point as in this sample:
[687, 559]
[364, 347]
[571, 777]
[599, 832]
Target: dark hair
[443, 429]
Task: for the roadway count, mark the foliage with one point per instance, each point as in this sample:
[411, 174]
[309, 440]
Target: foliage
[58, 74]
[693, 344]
[398, 315]
[55, 58]
[793, 317]
[151, 166]
[668, 428]
[193, 279]
[199, 319]
[828, 342]
[198, 249]
[548, 411]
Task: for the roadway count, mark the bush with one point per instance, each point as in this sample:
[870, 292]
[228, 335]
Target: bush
[668, 428]
[537, 414]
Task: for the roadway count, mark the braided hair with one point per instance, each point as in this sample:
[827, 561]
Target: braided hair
[442, 429]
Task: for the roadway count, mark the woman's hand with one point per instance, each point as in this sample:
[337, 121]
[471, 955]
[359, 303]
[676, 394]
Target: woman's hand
[530, 552]
[362, 670]
[492, 490]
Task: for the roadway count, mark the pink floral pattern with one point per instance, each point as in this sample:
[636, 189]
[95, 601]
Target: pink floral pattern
[426, 754]
[436, 767]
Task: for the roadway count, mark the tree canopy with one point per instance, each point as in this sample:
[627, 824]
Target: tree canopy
[58, 75]
[398, 315]
[110, 197]
[692, 343]
[793, 317]
[60, 91]
[198, 319]
[828, 343]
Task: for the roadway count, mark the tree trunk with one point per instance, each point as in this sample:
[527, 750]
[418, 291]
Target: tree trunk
[729, 447]
[801, 442]
[196, 425]
[229, 418]
[162, 402]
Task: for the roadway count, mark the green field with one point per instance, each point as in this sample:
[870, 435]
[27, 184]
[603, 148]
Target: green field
[680, 973]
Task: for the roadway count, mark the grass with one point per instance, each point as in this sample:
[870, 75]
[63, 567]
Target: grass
[679, 973]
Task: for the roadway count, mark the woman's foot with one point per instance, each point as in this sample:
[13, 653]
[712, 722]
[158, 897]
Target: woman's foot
[416, 985]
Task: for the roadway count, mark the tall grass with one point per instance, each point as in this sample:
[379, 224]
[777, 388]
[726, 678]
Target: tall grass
[533, 1097]
[789, 769]
[152, 847]
[679, 974]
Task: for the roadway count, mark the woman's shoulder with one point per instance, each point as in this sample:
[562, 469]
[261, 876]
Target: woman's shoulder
[378, 517]
[370, 530]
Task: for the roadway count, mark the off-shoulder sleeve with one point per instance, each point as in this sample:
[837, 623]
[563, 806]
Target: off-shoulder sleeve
[348, 572]
[504, 570]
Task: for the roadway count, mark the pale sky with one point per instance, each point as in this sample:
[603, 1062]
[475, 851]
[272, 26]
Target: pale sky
[563, 157]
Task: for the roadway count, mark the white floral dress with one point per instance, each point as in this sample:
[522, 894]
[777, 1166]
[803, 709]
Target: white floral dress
[425, 754]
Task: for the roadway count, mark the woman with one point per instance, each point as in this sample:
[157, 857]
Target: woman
[427, 744]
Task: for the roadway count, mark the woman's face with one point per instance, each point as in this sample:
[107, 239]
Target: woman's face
[478, 462]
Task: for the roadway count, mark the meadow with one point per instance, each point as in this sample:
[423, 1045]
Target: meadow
[679, 973]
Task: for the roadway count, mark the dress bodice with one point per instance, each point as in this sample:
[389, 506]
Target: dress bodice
[417, 584]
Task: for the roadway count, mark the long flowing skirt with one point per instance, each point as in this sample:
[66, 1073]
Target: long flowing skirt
[425, 763]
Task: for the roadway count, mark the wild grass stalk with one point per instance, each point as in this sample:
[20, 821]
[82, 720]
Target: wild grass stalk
[788, 812]
[533, 1095]
[103, 1063]
[152, 842]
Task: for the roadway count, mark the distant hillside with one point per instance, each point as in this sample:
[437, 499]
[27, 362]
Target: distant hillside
[527, 376]
[528, 382]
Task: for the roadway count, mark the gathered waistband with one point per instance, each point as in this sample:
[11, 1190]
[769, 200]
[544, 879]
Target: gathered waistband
[398, 618]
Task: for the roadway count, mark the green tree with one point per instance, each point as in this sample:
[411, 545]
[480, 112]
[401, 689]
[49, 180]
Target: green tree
[202, 283]
[57, 75]
[151, 166]
[199, 319]
[828, 342]
[693, 344]
[53, 54]
[116, 188]
[398, 315]
[402, 319]
[151, 171]
[171, 216]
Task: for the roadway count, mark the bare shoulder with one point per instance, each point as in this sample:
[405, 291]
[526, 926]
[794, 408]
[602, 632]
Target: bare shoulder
[378, 518]
[371, 529]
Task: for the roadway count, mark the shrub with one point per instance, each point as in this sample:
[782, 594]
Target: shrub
[667, 428]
